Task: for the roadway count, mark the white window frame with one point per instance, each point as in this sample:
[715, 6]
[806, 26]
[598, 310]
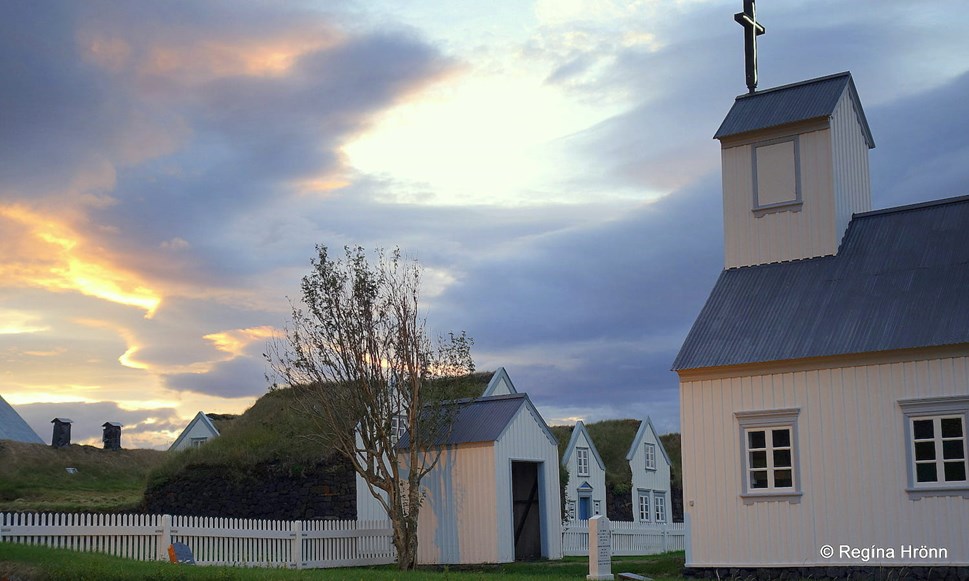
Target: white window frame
[759, 208]
[649, 452]
[935, 409]
[767, 420]
[197, 442]
[582, 461]
[645, 503]
[659, 507]
[398, 425]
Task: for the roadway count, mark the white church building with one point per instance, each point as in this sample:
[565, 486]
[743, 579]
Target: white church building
[824, 387]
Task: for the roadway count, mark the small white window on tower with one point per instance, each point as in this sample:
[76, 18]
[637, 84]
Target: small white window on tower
[777, 173]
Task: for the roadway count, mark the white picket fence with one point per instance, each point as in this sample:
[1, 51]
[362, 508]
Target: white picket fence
[214, 541]
[628, 538]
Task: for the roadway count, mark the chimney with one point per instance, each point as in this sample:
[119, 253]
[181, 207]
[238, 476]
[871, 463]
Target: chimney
[62, 432]
[112, 435]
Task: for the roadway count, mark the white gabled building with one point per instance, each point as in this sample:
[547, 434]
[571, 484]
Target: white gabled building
[368, 507]
[585, 493]
[650, 467]
[494, 496]
[824, 387]
[198, 431]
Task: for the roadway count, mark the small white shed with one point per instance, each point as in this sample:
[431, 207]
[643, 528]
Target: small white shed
[650, 467]
[199, 431]
[585, 493]
[494, 496]
[368, 507]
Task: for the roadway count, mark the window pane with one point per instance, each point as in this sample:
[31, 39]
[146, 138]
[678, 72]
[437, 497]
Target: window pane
[781, 438]
[757, 439]
[925, 450]
[923, 429]
[782, 458]
[955, 471]
[758, 479]
[758, 459]
[783, 479]
[925, 473]
[953, 450]
[952, 427]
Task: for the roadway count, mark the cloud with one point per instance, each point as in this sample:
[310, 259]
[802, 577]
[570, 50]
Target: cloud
[142, 428]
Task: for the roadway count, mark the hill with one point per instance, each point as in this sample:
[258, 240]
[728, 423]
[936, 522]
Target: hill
[35, 477]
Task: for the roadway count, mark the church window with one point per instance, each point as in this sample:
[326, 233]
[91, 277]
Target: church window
[936, 442]
[770, 455]
[776, 173]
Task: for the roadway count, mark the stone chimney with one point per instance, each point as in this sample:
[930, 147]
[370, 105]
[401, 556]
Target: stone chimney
[62, 432]
[112, 435]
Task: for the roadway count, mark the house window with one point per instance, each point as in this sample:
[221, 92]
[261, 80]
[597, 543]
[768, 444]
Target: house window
[935, 434]
[398, 425]
[650, 454]
[644, 506]
[659, 501]
[582, 461]
[769, 464]
[197, 442]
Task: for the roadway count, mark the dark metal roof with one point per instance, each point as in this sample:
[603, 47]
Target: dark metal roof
[804, 101]
[13, 427]
[900, 280]
[479, 420]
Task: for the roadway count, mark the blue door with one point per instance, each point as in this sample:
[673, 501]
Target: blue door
[584, 506]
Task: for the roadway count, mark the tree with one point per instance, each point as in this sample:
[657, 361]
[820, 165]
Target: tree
[358, 357]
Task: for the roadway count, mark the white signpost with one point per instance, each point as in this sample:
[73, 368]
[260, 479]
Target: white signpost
[600, 549]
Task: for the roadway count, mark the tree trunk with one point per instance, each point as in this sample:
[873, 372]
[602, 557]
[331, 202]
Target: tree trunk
[405, 541]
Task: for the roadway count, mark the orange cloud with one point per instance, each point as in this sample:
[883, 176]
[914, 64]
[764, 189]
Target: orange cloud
[235, 341]
[38, 251]
[204, 57]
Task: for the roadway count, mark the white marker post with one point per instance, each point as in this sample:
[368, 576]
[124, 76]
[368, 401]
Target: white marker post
[600, 549]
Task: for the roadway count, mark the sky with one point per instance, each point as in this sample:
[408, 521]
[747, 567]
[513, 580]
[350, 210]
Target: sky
[167, 168]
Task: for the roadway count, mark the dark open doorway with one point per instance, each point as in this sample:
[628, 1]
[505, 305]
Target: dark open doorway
[526, 508]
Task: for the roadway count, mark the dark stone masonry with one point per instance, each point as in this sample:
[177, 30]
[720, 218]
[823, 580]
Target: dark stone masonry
[267, 491]
[831, 573]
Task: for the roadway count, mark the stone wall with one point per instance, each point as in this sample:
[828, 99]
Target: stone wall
[267, 491]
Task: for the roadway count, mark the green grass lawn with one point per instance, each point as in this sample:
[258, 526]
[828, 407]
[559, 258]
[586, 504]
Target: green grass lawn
[35, 477]
[32, 563]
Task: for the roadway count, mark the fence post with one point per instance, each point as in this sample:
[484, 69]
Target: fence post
[297, 552]
[164, 537]
[666, 537]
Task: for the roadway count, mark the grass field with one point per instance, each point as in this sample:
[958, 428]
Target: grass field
[35, 477]
[31, 563]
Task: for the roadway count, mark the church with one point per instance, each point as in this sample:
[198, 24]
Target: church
[824, 386]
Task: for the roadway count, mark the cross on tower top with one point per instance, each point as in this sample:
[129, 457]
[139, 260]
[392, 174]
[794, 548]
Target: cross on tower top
[752, 29]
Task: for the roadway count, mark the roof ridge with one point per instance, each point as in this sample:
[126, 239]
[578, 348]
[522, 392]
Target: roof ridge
[794, 85]
[915, 206]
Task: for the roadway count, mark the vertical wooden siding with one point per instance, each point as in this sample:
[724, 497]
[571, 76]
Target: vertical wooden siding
[852, 182]
[852, 465]
[525, 439]
[458, 520]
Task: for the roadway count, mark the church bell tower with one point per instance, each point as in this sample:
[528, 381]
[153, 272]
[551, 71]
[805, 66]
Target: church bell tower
[795, 164]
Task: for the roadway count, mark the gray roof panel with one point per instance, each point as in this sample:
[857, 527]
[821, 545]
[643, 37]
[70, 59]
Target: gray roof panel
[813, 99]
[479, 420]
[13, 427]
[900, 280]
